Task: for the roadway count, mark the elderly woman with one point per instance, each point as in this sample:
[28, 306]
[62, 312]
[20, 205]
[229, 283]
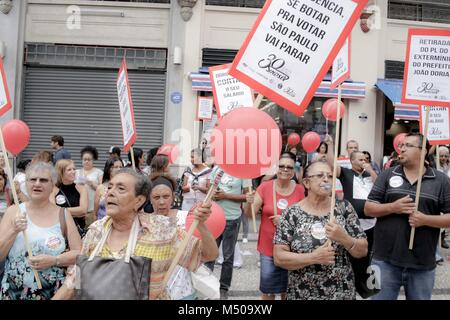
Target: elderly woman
[49, 228]
[112, 166]
[281, 192]
[158, 237]
[161, 197]
[69, 195]
[315, 248]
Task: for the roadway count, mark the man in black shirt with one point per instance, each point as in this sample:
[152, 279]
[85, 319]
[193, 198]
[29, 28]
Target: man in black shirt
[357, 183]
[391, 201]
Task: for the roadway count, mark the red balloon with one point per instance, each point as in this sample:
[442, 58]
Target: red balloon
[246, 143]
[215, 223]
[329, 109]
[310, 141]
[397, 140]
[16, 135]
[293, 139]
[171, 151]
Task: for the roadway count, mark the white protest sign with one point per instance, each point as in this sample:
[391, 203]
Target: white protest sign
[292, 46]
[438, 126]
[5, 100]
[204, 108]
[126, 108]
[341, 66]
[427, 68]
[229, 93]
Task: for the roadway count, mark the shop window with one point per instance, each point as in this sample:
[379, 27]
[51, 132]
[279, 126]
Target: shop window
[437, 11]
[311, 120]
[237, 3]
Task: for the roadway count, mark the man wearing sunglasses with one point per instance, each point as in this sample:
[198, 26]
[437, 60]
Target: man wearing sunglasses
[391, 201]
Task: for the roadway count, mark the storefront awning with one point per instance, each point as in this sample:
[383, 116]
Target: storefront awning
[393, 90]
[350, 89]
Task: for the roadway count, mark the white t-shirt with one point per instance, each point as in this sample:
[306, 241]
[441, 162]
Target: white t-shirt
[192, 197]
[95, 176]
[22, 180]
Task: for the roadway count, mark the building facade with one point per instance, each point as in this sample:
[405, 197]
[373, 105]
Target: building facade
[62, 58]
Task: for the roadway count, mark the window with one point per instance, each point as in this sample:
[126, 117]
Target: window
[437, 11]
[394, 69]
[237, 3]
[145, 1]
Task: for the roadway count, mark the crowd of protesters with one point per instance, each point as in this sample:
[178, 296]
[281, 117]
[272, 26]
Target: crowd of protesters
[306, 250]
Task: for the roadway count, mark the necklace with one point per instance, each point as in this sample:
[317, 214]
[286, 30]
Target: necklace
[282, 190]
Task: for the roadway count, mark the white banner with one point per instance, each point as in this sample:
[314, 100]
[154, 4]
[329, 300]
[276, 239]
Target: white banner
[204, 108]
[292, 46]
[5, 100]
[229, 93]
[341, 65]
[438, 125]
[427, 68]
[126, 108]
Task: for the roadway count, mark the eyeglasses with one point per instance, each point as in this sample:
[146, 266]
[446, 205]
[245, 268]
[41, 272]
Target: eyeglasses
[321, 175]
[408, 145]
[87, 160]
[41, 180]
[285, 167]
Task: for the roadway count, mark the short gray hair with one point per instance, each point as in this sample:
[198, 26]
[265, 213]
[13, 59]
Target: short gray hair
[142, 186]
[444, 149]
[42, 166]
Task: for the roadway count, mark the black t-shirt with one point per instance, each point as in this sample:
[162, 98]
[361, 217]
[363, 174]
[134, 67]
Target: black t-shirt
[69, 197]
[392, 232]
[356, 189]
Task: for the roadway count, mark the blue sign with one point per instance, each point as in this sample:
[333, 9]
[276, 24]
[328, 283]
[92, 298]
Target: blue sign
[176, 97]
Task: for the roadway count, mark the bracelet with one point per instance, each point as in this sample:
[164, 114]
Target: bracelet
[57, 261]
[353, 245]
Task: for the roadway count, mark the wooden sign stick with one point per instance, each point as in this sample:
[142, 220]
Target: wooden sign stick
[336, 145]
[422, 164]
[258, 101]
[133, 161]
[190, 232]
[16, 200]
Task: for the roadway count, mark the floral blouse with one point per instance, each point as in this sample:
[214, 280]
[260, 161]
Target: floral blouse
[304, 233]
[158, 239]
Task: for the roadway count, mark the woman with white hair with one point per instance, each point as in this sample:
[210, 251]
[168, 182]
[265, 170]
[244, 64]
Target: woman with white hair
[49, 228]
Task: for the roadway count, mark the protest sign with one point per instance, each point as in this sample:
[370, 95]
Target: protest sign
[126, 107]
[341, 66]
[427, 68]
[5, 100]
[229, 93]
[292, 46]
[204, 108]
[439, 124]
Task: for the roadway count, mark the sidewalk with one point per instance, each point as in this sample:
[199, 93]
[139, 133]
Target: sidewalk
[245, 283]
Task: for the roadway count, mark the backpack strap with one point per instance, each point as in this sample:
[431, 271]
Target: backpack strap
[63, 222]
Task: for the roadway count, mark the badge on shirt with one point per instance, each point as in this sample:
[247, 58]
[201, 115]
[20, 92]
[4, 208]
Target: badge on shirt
[53, 243]
[282, 204]
[318, 231]
[395, 181]
[60, 199]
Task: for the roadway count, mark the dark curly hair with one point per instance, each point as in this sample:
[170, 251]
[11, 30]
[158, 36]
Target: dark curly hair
[90, 149]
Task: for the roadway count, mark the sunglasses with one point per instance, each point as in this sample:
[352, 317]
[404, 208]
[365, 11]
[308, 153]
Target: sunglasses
[41, 180]
[321, 175]
[285, 167]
